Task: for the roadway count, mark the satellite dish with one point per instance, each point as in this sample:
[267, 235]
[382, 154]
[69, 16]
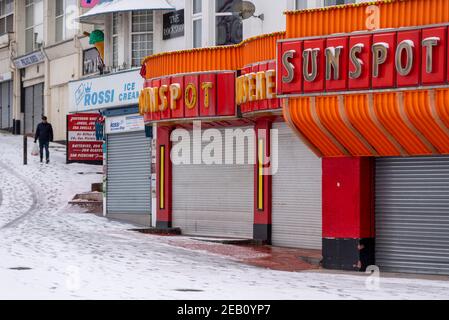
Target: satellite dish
[246, 10]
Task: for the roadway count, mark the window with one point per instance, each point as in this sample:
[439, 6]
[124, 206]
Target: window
[197, 15]
[6, 16]
[229, 27]
[336, 2]
[65, 27]
[115, 21]
[305, 4]
[141, 36]
[34, 24]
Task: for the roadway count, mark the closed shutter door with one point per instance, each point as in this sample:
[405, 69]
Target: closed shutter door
[6, 105]
[38, 103]
[29, 110]
[296, 204]
[412, 214]
[214, 200]
[128, 174]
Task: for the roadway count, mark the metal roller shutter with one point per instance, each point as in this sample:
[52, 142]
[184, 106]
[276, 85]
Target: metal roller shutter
[412, 214]
[214, 200]
[29, 110]
[296, 206]
[129, 174]
[34, 106]
[5, 105]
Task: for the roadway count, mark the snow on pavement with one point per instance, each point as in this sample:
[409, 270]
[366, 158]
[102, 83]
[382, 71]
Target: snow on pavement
[49, 250]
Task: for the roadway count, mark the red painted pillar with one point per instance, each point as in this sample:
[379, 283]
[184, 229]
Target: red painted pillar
[164, 179]
[348, 213]
[262, 182]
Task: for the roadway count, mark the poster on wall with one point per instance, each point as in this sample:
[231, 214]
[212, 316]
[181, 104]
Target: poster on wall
[82, 138]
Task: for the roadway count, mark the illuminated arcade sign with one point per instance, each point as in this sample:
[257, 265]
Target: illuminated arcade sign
[209, 94]
[409, 57]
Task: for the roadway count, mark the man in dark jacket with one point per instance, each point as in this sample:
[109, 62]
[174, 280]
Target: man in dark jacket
[44, 133]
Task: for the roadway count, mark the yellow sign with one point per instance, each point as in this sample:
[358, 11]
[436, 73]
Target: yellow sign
[256, 86]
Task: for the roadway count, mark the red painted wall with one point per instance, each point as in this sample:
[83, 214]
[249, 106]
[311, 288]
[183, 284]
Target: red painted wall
[262, 216]
[163, 139]
[348, 198]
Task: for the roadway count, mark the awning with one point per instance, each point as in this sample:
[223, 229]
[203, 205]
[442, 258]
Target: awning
[409, 123]
[96, 14]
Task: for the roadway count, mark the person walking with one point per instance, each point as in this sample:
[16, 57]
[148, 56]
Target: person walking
[44, 133]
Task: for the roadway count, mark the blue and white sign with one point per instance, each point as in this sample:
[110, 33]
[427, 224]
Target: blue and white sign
[118, 89]
[123, 124]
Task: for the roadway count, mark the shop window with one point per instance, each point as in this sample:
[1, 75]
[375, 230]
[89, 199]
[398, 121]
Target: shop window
[115, 21]
[229, 27]
[34, 24]
[337, 2]
[141, 36]
[65, 26]
[6, 16]
[197, 18]
[307, 4]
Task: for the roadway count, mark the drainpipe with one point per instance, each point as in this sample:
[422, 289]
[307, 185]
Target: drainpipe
[46, 83]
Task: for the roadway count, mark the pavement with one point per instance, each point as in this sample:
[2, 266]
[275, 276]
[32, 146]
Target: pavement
[49, 250]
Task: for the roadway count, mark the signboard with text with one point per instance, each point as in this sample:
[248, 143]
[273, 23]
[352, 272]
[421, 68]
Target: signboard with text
[173, 25]
[122, 124]
[82, 143]
[385, 59]
[114, 90]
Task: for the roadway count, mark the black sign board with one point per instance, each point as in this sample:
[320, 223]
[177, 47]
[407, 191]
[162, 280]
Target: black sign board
[173, 24]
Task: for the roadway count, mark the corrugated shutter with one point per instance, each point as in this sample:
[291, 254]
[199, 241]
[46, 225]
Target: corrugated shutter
[29, 110]
[412, 214]
[128, 174]
[34, 106]
[214, 200]
[296, 208]
[5, 105]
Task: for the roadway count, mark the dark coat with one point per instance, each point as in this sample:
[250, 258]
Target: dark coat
[44, 132]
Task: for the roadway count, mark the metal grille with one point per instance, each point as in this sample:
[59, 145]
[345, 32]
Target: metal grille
[296, 207]
[6, 105]
[129, 174]
[34, 106]
[412, 214]
[214, 200]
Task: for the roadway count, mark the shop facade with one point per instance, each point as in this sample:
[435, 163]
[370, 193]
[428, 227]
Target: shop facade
[127, 154]
[374, 106]
[362, 132]
[238, 178]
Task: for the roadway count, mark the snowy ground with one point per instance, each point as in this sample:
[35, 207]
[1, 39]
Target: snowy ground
[50, 251]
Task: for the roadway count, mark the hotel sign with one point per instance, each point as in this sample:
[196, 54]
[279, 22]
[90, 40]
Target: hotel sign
[406, 57]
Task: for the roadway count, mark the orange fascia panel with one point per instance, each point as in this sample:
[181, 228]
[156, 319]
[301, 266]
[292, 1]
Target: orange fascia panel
[301, 115]
[354, 17]
[442, 105]
[328, 111]
[388, 113]
[232, 57]
[357, 109]
[419, 112]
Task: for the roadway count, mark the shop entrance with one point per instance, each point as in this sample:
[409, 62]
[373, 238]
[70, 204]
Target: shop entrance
[296, 209]
[412, 214]
[214, 200]
[34, 107]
